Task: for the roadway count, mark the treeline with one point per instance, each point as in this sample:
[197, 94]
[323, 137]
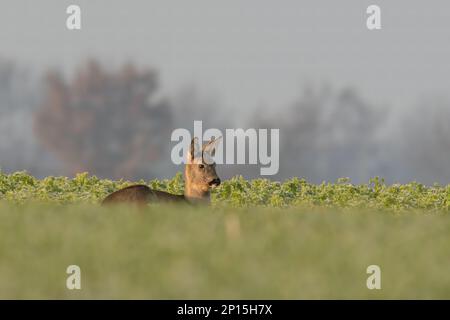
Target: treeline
[117, 124]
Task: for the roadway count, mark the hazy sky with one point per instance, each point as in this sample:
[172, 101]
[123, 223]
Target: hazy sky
[246, 52]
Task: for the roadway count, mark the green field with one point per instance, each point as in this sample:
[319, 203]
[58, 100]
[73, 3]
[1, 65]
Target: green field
[259, 239]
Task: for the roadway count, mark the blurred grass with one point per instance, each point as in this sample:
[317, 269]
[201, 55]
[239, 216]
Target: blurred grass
[221, 252]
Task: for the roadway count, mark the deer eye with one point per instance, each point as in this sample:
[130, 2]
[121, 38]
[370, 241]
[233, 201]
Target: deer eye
[201, 166]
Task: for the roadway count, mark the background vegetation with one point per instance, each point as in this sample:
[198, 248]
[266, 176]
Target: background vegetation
[116, 122]
[21, 187]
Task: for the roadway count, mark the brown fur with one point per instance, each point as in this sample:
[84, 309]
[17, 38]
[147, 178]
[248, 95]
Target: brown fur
[200, 177]
[141, 194]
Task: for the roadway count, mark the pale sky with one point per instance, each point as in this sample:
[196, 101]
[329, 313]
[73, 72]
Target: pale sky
[244, 52]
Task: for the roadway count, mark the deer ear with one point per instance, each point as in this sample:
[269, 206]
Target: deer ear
[210, 147]
[193, 150]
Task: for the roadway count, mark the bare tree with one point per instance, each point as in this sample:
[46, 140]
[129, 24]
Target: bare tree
[104, 122]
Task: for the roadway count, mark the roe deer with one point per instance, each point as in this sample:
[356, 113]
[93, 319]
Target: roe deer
[200, 177]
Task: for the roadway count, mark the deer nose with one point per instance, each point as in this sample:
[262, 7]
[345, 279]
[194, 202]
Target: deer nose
[214, 182]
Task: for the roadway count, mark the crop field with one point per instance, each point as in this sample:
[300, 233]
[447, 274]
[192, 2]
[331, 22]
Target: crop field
[258, 239]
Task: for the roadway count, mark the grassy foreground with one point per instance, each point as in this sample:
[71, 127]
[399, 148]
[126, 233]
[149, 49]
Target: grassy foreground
[259, 239]
[176, 252]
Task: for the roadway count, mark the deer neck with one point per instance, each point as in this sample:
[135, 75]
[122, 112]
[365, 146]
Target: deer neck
[195, 194]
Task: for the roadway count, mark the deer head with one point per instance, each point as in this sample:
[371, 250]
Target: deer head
[200, 172]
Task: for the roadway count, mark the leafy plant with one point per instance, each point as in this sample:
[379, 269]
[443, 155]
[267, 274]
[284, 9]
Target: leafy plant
[19, 187]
